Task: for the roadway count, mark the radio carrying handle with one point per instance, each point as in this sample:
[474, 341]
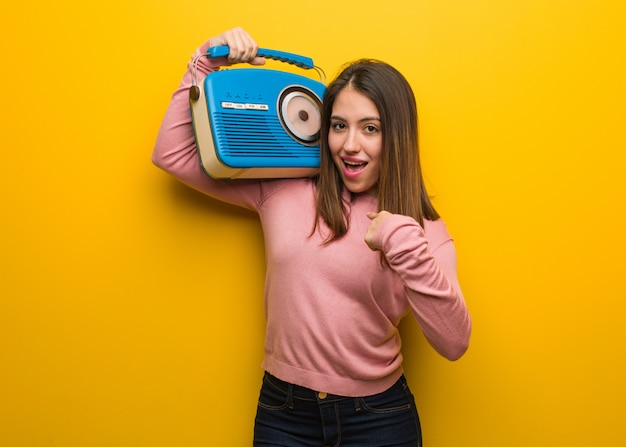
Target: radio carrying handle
[290, 58]
[303, 62]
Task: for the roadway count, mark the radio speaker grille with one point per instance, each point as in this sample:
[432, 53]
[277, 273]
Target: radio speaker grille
[240, 135]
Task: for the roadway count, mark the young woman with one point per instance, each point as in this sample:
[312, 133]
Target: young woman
[349, 253]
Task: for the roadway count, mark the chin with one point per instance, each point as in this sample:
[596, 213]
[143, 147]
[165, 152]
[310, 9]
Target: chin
[371, 190]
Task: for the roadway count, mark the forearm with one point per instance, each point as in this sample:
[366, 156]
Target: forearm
[175, 148]
[431, 283]
[441, 310]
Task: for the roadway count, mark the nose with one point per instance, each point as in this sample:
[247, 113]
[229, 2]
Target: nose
[351, 143]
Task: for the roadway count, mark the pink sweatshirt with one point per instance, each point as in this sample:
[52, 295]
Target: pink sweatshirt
[332, 310]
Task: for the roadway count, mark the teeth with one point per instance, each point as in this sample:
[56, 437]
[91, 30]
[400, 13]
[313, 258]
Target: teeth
[354, 163]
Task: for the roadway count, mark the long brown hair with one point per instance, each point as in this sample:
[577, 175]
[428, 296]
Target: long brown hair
[401, 188]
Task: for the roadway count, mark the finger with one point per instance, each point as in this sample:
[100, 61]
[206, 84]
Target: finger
[372, 215]
[243, 47]
[234, 43]
[257, 61]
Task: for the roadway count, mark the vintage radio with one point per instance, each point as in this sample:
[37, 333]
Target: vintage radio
[257, 122]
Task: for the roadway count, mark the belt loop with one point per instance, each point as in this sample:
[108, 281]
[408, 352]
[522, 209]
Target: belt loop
[290, 396]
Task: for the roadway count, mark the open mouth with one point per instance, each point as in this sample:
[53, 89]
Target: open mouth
[354, 167]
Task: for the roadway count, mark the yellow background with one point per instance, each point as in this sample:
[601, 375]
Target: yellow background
[131, 310]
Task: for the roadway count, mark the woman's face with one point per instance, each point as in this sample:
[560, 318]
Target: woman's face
[355, 140]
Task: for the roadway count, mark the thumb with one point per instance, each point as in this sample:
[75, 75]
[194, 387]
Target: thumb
[258, 60]
[372, 215]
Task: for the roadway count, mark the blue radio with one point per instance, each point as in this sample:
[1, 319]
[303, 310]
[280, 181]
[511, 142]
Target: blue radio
[258, 122]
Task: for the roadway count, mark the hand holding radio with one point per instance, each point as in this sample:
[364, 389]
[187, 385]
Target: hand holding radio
[243, 48]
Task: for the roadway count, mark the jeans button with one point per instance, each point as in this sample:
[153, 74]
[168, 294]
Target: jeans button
[322, 395]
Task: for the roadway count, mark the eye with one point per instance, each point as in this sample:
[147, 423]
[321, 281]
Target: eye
[337, 126]
[370, 128]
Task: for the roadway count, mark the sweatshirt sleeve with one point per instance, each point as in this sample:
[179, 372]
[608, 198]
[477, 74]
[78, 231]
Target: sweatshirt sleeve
[175, 150]
[427, 267]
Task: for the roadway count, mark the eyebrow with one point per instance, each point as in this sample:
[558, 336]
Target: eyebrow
[366, 118]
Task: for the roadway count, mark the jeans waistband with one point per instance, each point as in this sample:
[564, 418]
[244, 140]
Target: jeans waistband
[297, 391]
[301, 392]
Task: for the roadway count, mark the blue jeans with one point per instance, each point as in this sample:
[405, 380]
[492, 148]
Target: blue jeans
[292, 416]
